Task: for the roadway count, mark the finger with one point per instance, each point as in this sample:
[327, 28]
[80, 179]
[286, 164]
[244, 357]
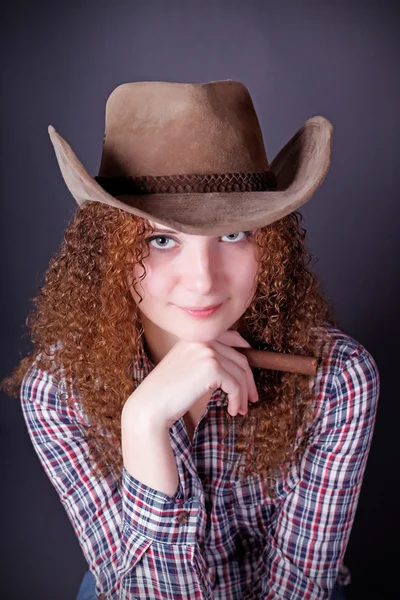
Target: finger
[242, 362]
[233, 382]
[234, 338]
[240, 375]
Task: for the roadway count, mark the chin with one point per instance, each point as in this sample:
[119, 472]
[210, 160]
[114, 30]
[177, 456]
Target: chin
[201, 333]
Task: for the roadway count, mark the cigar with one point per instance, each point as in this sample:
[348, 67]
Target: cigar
[280, 361]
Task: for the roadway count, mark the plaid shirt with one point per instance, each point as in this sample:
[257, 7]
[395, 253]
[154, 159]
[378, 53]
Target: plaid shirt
[217, 537]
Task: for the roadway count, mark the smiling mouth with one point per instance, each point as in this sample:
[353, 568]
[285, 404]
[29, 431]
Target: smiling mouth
[203, 312]
[200, 307]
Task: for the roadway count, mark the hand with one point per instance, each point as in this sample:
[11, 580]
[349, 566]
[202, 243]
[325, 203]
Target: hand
[188, 372]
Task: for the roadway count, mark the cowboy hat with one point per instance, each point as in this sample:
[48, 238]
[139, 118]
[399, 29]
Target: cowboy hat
[191, 156]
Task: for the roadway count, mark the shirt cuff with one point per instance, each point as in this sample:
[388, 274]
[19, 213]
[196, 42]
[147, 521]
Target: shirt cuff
[157, 516]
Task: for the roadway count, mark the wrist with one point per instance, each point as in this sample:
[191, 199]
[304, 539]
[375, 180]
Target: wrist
[146, 450]
[140, 418]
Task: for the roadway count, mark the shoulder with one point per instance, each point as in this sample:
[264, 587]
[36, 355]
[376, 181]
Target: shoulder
[50, 393]
[345, 349]
[349, 375]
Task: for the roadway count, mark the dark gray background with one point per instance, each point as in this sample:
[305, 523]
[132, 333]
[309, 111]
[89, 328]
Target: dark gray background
[339, 59]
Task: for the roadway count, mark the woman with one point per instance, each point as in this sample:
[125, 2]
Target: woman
[186, 473]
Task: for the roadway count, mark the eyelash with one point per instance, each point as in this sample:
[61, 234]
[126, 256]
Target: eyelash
[248, 234]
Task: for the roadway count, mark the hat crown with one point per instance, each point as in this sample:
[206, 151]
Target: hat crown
[166, 128]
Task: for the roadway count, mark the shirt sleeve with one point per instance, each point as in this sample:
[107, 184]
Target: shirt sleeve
[314, 521]
[137, 541]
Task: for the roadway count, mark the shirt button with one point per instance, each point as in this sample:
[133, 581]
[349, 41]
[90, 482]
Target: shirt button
[183, 517]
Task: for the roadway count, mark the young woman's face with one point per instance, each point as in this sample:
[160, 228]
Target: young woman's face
[187, 271]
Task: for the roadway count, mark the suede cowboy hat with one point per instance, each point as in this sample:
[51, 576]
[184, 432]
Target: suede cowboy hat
[191, 156]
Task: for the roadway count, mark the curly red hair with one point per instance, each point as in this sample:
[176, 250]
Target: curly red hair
[85, 303]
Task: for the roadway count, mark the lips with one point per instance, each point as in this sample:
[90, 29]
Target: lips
[209, 307]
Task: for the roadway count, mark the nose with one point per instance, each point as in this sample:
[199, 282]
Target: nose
[199, 268]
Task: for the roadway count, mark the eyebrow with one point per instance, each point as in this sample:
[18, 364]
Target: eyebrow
[162, 230]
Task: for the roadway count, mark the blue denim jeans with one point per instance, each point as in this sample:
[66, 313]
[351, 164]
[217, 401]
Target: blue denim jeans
[87, 589]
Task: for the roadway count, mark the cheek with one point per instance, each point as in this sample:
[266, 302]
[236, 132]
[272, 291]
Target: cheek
[246, 272]
[154, 286]
[246, 277]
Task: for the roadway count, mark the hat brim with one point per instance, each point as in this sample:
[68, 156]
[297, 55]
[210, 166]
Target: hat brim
[300, 167]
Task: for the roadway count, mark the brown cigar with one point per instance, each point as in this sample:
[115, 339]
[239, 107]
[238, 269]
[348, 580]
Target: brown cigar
[280, 361]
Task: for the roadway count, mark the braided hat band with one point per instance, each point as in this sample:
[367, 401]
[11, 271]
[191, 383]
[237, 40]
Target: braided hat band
[183, 184]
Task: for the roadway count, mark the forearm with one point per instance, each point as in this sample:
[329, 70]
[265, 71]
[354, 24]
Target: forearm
[147, 453]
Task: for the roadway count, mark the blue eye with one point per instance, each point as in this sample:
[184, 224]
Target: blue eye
[158, 237]
[166, 237]
[246, 234]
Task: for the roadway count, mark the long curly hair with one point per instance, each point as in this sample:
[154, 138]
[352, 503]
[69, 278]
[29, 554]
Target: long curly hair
[85, 303]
